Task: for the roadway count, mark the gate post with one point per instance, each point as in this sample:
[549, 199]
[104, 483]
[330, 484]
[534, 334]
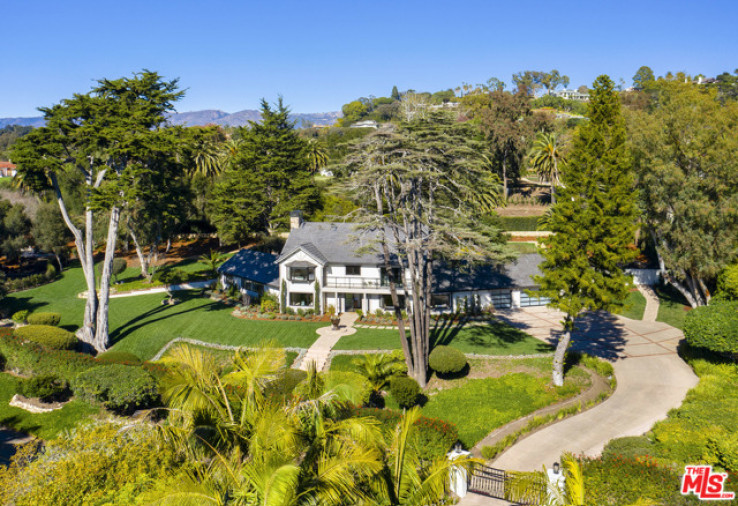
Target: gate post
[458, 478]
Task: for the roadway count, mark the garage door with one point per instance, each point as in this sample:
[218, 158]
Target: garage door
[526, 300]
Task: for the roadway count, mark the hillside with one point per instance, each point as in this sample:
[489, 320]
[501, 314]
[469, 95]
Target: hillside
[208, 117]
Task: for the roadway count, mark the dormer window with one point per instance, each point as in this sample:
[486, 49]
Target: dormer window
[353, 270]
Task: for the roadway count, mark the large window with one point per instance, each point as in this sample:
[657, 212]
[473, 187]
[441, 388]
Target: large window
[396, 272]
[353, 270]
[387, 301]
[301, 299]
[441, 301]
[302, 274]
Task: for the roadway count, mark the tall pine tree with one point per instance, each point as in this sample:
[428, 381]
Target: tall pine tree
[593, 222]
[269, 177]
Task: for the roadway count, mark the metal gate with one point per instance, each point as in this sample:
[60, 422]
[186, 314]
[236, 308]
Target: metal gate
[528, 489]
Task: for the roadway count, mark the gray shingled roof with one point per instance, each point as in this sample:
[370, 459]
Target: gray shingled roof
[517, 274]
[334, 243]
[252, 265]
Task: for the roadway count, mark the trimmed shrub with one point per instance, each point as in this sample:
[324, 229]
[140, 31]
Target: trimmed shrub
[48, 336]
[52, 319]
[351, 384]
[714, 327]
[728, 283]
[48, 388]
[269, 303]
[33, 359]
[119, 357]
[628, 447]
[447, 360]
[433, 438]
[20, 316]
[404, 390]
[119, 388]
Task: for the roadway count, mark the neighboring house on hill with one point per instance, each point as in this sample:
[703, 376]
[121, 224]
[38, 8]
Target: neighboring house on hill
[350, 273]
[7, 169]
[571, 95]
[253, 272]
[367, 123]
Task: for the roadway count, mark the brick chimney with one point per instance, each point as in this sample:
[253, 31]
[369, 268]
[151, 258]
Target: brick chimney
[295, 219]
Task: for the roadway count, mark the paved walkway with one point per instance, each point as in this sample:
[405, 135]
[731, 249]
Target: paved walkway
[321, 349]
[652, 303]
[652, 379]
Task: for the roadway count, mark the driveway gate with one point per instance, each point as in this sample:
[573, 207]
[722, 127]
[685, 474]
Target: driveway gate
[521, 488]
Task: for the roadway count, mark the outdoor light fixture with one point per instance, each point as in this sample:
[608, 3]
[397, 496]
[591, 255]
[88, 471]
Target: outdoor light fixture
[556, 468]
[457, 447]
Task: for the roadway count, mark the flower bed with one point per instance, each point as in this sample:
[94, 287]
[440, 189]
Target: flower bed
[255, 313]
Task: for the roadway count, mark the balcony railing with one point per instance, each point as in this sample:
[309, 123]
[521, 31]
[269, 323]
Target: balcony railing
[356, 282]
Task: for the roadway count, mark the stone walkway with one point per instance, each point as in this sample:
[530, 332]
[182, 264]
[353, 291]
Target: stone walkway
[321, 349]
[652, 379]
[652, 303]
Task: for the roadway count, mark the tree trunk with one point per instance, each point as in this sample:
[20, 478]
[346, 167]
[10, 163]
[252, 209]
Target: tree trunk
[560, 354]
[140, 254]
[554, 180]
[101, 333]
[58, 261]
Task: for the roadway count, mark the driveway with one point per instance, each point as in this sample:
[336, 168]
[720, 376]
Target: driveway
[652, 379]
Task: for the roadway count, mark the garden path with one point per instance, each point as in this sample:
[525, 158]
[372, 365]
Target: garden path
[652, 303]
[321, 349]
[652, 379]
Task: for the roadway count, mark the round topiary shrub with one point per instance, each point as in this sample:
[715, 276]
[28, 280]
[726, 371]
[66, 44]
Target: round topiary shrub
[405, 391]
[20, 316]
[52, 319]
[119, 357]
[446, 360]
[51, 337]
[48, 388]
[714, 327]
[119, 388]
[351, 385]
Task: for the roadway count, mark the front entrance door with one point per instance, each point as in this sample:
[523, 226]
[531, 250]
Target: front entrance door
[352, 301]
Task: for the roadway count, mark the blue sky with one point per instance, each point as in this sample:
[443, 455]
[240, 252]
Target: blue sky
[320, 55]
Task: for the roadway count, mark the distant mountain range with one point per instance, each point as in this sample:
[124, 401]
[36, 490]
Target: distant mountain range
[211, 117]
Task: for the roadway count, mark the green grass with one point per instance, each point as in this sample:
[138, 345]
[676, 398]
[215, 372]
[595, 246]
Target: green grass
[635, 306]
[225, 357]
[43, 425]
[484, 338]
[479, 406]
[673, 308]
[523, 248]
[141, 325]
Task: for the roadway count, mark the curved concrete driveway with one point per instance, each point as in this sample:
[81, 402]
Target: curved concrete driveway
[652, 379]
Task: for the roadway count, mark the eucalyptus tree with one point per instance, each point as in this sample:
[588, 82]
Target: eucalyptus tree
[593, 222]
[686, 160]
[103, 141]
[421, 186]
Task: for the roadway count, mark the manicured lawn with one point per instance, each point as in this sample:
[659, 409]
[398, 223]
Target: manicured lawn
[482, 338]
[225, 357]
[672, 306]
[479, 406]
[141, 325]
[523, 247]
[634, 307]
[43, 425]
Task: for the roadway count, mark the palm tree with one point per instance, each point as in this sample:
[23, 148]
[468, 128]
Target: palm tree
[317, 155]
[379, 368]
[213, 260]
[405, 481]
[546, 156]
[209, 157]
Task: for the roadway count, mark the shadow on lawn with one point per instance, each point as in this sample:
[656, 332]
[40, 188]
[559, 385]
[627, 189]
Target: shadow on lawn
[491, 334]
[159, 313]
[13, 304]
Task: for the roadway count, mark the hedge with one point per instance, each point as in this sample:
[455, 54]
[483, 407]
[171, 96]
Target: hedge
[728, 283]
[519, 223]
[119, 357]
[119, 388]
[446, 360]
[51, 337]
[404, 390]
[433, 439]
[714, 327]
[48, 388]
[52, 319]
